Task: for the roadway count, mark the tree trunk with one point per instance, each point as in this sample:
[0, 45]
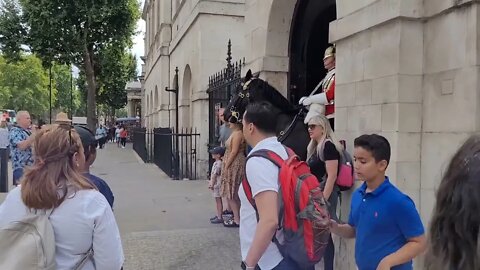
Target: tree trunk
[91, 90]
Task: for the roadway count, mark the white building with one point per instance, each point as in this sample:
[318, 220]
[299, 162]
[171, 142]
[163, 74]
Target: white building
[405, 69]
[193, 36]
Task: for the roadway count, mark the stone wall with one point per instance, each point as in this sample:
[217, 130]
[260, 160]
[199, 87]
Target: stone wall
[408, 70]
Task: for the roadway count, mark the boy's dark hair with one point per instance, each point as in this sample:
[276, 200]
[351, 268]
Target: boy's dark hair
[263, 115]
[375, 144]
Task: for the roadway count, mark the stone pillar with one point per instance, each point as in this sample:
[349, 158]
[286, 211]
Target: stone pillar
[451, 81]
[267, 40]
[379, 88]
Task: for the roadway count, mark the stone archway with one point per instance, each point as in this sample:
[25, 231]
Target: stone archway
[185, 96]
[289, 42]
[308, 41]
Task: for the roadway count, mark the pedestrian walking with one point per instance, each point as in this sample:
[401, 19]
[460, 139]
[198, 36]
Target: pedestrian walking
[233, 171]
[21, 140]
[123, 136]
[323, 156]
[384, 221]
[83, 223]
[454, 235]
[101, 136]
[215, 182]
[117, 135]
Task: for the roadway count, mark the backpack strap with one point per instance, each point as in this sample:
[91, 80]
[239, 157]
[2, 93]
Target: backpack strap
[275, 159]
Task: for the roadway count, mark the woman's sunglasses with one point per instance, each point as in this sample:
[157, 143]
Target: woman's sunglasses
[312, 127]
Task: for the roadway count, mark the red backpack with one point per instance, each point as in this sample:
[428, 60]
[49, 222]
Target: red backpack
[303, 213]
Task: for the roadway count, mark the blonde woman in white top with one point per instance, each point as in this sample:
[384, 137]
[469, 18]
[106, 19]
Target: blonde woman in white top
[82, 218]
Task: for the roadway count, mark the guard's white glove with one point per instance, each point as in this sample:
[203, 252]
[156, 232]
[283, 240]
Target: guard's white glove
[317, 99]
[300, 102]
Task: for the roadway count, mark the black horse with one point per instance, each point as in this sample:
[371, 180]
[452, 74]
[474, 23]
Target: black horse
[291, 131]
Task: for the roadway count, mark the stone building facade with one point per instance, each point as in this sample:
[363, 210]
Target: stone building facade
[191, 35]
[134, 99]
[406, 69]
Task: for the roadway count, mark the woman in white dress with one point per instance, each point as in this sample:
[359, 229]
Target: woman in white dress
[81, 217]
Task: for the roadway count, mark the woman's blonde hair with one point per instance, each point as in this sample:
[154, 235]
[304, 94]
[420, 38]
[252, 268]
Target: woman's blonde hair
[315, 147]
[54, 174]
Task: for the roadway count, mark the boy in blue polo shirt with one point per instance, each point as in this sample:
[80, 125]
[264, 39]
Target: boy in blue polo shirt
[384, 221]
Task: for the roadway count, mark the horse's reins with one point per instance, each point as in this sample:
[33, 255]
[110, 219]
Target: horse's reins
[284, 133]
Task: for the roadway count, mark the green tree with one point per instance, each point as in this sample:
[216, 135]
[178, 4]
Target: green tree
[118, 66]
[68, 97]
[24, 85]
[12, 29]
[75, 32]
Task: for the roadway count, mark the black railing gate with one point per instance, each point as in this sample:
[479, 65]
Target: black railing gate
[221, 86]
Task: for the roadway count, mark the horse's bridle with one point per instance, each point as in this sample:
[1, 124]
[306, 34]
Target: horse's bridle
[241, 95]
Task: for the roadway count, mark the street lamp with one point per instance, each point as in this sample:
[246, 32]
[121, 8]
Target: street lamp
[71, 92]
[175, 90]
[50, 91]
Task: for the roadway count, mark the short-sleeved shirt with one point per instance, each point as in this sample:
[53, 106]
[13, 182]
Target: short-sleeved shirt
[384, 220]
[20, 158]
[216, 171]
[317, 166]
[102, 187]
[262, 176]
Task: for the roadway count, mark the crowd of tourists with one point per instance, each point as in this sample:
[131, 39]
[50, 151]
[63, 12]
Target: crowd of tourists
[385, 222]
[60, 215]
[115, 134]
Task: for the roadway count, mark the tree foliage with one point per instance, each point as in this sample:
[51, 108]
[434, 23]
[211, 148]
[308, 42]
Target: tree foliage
[12, 30]
[117, 68]
[24, 85]
[68, 96]
[77, 32]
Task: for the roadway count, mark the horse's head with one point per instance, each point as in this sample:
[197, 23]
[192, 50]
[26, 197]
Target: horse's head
[237, 105]
[253, 89]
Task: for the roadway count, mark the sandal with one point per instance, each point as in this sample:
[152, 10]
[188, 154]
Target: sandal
[216, 221]
[213, 218]
[230, 224]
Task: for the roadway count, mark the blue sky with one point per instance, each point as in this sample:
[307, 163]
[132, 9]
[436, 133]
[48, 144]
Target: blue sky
[138, 47]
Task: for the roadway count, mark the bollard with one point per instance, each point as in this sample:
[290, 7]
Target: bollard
[3, 170]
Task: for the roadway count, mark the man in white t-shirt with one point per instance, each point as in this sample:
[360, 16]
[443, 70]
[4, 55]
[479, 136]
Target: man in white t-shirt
[258, 250]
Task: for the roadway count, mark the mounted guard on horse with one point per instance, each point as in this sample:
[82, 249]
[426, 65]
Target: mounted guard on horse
[291, 130]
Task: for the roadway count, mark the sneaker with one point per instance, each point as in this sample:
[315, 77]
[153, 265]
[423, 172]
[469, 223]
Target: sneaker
[217, 221]
[212, 218]
[123, 147]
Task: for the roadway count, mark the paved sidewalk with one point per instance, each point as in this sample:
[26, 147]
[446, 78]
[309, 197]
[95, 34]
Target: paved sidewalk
[164, 223]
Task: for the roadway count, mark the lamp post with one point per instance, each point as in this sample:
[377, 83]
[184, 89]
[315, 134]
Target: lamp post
[50, 91]
[71, 92]
[175, 90]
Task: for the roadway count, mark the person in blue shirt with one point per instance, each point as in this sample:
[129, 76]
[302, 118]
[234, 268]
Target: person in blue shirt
[384, 221]
[21, 141]
[90, 149]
